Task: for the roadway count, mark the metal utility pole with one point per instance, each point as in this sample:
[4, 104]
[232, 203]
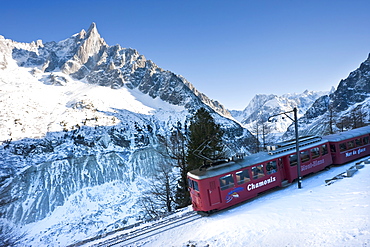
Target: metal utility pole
[295, 120]
[297, 148]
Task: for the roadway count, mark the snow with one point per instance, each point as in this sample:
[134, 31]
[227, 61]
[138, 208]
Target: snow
[262, 106]
[34, 108]
[86, 213]
[36, 104]
[316, 215]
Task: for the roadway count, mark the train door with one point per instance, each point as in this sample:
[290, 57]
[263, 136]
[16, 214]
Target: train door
[282, 169]
[214, 193]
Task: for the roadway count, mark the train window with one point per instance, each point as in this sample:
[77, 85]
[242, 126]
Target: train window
[195, 185]
[226, 182]
[242, 177]
[305, 156]
[350, 144]
[332, 148]
[358, 142]
[293, 159]
[258, 171]
[324, 149]
[342, 147]
[271, 167]
[315, 152]
[190, 182]
[365, 140]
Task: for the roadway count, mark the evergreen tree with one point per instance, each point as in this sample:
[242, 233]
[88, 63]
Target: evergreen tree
[205, 139]
[182, 193]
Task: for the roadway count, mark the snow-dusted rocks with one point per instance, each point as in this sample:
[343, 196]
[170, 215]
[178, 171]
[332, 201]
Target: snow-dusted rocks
[320, 113]
[346, 107]
[354, 89]
[86, 56]
[79, 116]
[263, 106]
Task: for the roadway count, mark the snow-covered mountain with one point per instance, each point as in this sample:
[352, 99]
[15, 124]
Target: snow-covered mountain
[79, 117]
[262, 106]
[319, 113]
[347, 107]
[81, 124]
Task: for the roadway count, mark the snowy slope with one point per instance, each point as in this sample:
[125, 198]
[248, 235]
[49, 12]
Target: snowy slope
[347, 107]
[32, 109]
[82, 126]
[316, 215]
[79, 128]
[262, 106]
[272, 104]
[55, 86]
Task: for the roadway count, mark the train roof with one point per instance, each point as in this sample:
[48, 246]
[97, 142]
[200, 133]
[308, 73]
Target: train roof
[251, 160]
[348, 134]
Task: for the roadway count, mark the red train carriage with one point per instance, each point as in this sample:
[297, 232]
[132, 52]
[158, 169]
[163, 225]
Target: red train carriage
[349, 145]
[224, 185]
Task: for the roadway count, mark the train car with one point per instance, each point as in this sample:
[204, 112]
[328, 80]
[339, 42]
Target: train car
[350, 145]
[221, 186]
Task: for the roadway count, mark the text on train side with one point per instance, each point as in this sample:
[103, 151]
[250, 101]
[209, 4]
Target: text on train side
[253, 186]
[360, 150]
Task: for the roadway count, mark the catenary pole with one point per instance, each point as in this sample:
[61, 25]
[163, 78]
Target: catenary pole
[297, 149]
[295, 120]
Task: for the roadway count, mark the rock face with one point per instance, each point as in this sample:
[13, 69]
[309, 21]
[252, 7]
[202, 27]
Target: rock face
[86, 56]
[347, 107]
[51, 183]
[352, 90]
[84, 115]
[263, 106]
[320, 113]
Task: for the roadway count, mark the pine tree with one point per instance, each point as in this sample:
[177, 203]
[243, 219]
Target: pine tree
[182, 192]
[203, 132]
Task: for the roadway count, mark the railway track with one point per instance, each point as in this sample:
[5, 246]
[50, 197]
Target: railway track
[140, 235]
[349, 172]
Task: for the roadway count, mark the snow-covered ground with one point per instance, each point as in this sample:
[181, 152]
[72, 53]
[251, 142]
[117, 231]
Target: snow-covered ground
[30, 108]
[316, 215]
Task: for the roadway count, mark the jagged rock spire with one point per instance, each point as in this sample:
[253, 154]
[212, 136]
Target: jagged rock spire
[90, 46]
[93, 31]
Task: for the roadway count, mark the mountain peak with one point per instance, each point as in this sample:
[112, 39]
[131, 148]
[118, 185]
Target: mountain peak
[89, 47]
[92, 30]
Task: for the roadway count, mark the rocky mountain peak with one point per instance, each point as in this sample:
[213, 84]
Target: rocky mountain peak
[82, 115]
[346, 107]
[93, 30]
[82, 34]
[86, 56]
[88, 49]
[263, 106]
[354, 89]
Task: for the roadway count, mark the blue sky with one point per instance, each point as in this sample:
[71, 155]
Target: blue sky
[230, 50]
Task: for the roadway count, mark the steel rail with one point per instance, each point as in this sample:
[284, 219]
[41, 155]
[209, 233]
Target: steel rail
[125, 239]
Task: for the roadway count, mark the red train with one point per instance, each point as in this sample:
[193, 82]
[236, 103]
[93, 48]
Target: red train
[221, 186]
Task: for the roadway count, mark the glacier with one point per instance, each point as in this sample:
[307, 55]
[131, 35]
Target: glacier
[81, 131]
[82, 124]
